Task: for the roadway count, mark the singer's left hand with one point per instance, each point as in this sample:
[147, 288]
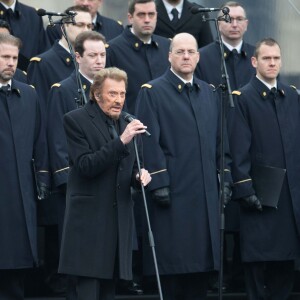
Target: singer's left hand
[144, 177]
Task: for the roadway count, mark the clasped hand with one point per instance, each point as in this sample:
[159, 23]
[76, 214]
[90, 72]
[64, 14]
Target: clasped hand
[144, 177]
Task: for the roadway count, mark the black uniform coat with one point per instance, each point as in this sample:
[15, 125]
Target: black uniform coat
[29, 27]
[22, 138]
[99, 212]
[142, 62]
[266, 132]
[106, 26]
[48, 68]
[188, 22]
[240, 69]
[182, 153]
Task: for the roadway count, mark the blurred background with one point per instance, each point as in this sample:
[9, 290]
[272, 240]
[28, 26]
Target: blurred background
[274, 18]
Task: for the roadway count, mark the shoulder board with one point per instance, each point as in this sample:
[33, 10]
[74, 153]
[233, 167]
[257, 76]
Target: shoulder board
[292, 86]
[120, 22]
[56, 85]
[106, 45]
[38, 59]
[146, 85]
[238, 93]
[32, 86]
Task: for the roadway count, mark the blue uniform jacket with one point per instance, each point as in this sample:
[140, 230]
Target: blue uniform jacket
[142, 62]
[266, 132]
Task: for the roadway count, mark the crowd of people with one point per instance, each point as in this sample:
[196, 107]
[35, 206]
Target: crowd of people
[70, 163]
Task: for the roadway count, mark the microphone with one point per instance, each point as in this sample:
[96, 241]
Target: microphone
[129, 118]
[42, 12]
[198, 9]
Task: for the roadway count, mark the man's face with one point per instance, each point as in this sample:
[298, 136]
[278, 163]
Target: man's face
[184, 55]
[8, 62]
[267, 63]
[93, 58]
[233, 32]
[112, 97]
[93, 5]
[83, 22]
[144, 19]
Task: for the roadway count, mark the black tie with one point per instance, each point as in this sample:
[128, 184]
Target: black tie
[189, 87]
[5, 89]
[273, 92]
[112, 129]
[175, 13]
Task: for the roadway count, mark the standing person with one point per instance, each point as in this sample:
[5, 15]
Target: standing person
[139, 52]
[90, 54]
[98, 228]
[56, 64]
[265, 132]
[106, 26]
[182, 114]
[237, 52]
[22, 138]
[26, 25]
[174, 16]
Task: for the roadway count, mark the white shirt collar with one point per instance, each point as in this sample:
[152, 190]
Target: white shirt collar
[184, 81]
[169, 8]
[132, 31]
[267, 84]
[238, 47]
[8, 83]
[13, 6]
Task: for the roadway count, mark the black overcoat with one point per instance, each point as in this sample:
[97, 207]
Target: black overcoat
[266, 132]
[22, 138]
[182, 153]
[99, 209]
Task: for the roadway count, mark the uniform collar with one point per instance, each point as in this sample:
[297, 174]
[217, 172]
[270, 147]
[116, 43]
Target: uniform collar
[179, 83]
[62, 53]
[227, 51]
[169, 8]
[135, 42]
[264, 90]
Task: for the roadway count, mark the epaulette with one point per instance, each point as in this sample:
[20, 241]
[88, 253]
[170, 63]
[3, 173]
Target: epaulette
[292, 86]
[238, 93]
[146, 85]
[106, 45]
[38, 59]
[55, 85]
[32, 86]
[120, 22]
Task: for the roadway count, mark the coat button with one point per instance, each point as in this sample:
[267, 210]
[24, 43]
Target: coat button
[118, 186]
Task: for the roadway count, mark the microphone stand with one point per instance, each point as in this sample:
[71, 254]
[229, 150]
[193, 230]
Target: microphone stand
[81, 100]
[226, 94]
[150, 234]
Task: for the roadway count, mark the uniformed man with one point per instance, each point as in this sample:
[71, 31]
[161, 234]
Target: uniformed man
[175, 16]
[22, 139]
[265, 134]
[108, 27]
[56, 64]
[26, 25]
[182, 113]
[143, 55]
[237, 52]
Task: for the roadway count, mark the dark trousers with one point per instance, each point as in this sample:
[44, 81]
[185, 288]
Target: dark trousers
[269, 280]
[12, 284]
[192, 286]
[86, 288]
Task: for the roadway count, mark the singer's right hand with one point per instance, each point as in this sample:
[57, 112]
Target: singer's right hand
[132, 129]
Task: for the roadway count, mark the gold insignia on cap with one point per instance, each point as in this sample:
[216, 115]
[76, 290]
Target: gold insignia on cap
[84, 86]
[136, 45]
[38, 59]
[146, 85]
[264, 94]
[238, 93]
